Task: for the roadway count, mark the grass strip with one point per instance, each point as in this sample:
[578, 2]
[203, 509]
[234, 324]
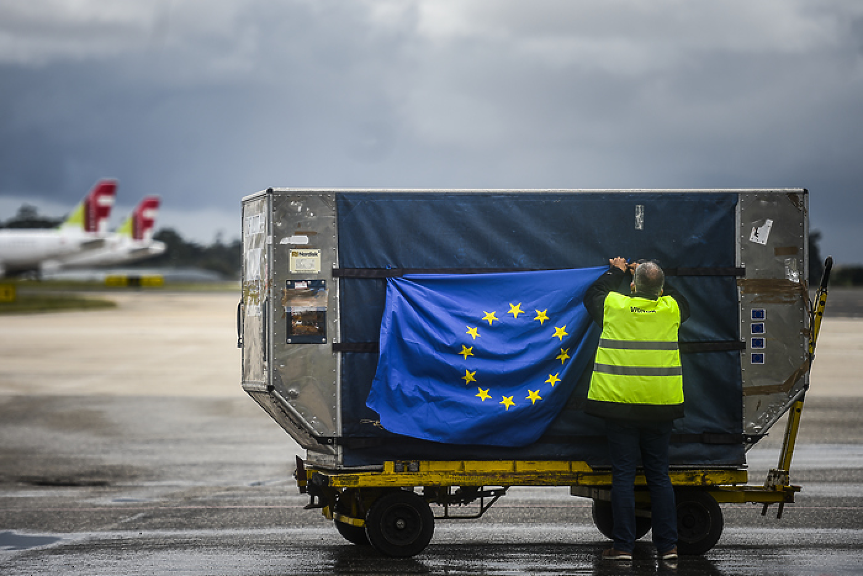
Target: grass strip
[34, 303]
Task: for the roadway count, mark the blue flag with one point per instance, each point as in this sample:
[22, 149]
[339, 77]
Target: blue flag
[487, 359]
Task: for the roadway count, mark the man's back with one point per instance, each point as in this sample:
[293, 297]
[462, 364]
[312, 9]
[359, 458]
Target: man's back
[637, 372]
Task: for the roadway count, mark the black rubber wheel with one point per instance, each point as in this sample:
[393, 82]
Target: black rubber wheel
[699, 522]
[400, 524]
[604, 521]
[354, 534]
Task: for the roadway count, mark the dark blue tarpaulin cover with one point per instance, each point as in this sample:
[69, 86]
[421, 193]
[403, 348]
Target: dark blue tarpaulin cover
[537, 230]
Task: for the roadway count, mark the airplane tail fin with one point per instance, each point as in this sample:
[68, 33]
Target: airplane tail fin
[140, 224]
[92, 214]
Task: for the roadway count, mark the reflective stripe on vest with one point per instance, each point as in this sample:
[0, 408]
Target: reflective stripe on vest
[638, 359]
[637, 370]
[632, 345]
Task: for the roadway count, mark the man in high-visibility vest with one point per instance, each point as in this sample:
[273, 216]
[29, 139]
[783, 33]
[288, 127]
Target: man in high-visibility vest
[637, 387]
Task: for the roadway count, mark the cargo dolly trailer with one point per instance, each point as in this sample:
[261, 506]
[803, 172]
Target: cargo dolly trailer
[317, 264]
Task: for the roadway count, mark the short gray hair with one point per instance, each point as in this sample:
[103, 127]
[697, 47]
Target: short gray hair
[649, 279]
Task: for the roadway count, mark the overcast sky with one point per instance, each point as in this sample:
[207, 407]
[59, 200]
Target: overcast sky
[206, 101]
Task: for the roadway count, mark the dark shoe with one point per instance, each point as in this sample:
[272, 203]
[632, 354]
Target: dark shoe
[670, 555]
[612, 554]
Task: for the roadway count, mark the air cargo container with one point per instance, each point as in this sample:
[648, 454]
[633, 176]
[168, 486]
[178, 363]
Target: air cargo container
[316, 268]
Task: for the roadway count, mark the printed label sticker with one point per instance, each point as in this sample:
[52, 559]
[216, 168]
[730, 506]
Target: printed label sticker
[305, 261]
[760, 234]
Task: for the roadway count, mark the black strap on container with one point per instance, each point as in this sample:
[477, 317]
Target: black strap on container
[711, 438]
[719, 346]
[362, 347]
[399, 272]
[714, 271]
[693, 438]
[378, 273]
[708, 438]
[685, 347]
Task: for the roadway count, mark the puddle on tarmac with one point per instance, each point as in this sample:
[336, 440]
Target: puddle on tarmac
[13, 541]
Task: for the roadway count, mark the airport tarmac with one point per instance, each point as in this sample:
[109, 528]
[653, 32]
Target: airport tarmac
[127, 446]
[153, 344]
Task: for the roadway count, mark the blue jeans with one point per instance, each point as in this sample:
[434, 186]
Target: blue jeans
[627, 441]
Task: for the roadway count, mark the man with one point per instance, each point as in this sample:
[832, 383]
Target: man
[637, 387]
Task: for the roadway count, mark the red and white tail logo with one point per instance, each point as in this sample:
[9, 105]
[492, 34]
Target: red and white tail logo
[97, 206]
[144, 218]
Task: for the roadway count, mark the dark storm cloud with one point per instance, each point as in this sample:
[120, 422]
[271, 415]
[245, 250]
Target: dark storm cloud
[204, 102]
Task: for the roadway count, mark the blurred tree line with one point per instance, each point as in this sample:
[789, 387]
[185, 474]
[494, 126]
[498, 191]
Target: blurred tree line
[841, 275]
[847, 276]
[29, 217]
[220, 257]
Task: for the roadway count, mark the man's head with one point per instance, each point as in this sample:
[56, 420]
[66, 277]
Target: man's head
[649, 280]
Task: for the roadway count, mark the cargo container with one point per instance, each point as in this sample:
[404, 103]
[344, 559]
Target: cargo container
[316, 264]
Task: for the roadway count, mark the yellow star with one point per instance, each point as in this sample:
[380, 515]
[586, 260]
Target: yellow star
[515, 310]
[483, 394]
[564, 355]
[540, 315]
[490, 317]
[465, 351]
[553, 379]
[533, 396]
[560, 332]
[468, 376]
[473, 332]
[507, 402]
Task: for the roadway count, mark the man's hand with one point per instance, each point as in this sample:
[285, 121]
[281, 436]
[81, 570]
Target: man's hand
[619, 263]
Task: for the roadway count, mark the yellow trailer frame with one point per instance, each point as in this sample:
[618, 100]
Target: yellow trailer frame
[347, 498]
[380, 507]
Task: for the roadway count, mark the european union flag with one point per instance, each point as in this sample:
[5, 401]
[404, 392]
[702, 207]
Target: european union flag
[486, 359]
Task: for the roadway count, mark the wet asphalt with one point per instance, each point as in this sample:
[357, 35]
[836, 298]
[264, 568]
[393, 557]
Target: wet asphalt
[140, 485]
[99, 484]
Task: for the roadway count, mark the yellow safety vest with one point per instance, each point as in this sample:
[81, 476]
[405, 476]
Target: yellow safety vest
[637, 372]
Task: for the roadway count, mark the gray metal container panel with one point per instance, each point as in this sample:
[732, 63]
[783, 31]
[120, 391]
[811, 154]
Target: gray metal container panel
[278, 409]
[295, 388]
[774, 305]
[305, 310]
[255, 276]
